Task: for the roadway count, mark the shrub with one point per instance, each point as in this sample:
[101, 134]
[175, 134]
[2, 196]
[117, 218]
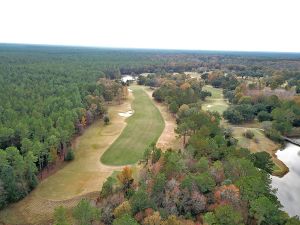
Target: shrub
[153, 219]
[233, 116]
[274, 135]
[84, 212]
[228, 132]
[256, 140]
[70, 155]
[140, 201]
[125, 220]
[227, 215]
[264, 116]
[205, 182]
[107, 187]
[202, 165]
[249, 134]
[60, 216]
[298, 89]
[263, 160]
[245, 100]
[106, 119]
[173, 107]
[122, 209]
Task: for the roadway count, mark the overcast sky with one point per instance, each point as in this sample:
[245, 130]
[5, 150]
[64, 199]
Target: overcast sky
[251, 25]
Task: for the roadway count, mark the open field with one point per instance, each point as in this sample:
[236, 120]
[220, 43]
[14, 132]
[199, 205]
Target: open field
[143, 127]
[216, 102]
[82, 177]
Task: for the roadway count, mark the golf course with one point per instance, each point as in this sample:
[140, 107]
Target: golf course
[260, 142]
[143, 127]
[121, 142]
[216, 101]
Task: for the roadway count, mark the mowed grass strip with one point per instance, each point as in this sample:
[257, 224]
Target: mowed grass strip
[143, 127]
[216, 102]
[215, 92]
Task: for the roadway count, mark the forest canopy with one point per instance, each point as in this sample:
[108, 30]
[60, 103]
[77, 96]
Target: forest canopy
[49, 95]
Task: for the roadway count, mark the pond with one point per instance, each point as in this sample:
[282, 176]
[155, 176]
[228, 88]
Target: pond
[288, 186]
[126, 78]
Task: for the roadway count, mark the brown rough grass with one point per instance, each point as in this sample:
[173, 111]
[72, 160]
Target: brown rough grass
[262, 144]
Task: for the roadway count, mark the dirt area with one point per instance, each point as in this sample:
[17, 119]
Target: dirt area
[267, 91]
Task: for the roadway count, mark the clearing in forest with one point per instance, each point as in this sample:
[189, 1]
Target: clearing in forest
[260, 143]
[216, 102]
[143, 127]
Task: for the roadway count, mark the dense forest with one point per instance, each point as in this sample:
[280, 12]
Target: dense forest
[211, 181]
[50, 94]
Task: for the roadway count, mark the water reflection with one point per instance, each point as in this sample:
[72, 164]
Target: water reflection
[289, 186]
[126, 78]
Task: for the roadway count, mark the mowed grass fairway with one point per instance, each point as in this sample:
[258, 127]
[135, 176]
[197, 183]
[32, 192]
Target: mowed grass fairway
[215, 92]
[216, 102]
[143, 127]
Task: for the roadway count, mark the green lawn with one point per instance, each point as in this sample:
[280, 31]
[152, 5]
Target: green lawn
[216, 102]
[216, 92]
[143, 127]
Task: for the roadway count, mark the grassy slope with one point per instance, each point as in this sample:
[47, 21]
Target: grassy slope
[143, 128]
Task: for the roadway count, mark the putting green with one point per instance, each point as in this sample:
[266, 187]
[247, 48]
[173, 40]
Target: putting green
[143, 127]
[216, 102]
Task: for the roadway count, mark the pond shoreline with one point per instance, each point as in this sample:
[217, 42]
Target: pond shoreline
[288, 185]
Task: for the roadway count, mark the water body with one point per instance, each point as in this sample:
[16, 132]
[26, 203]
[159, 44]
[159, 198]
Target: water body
[126, 78]
[288, 187]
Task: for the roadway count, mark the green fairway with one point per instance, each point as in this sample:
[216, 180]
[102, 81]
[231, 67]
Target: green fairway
[215, 92]
[216, 102]
[143, 127]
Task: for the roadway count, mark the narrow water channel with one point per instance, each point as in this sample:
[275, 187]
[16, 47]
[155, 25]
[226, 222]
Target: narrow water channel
[288, 186]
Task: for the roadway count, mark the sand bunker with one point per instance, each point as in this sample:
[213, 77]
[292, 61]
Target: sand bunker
[126, 114]
[208, 106]
[129, 90]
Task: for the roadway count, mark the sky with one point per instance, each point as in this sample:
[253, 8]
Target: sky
[236, 25]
